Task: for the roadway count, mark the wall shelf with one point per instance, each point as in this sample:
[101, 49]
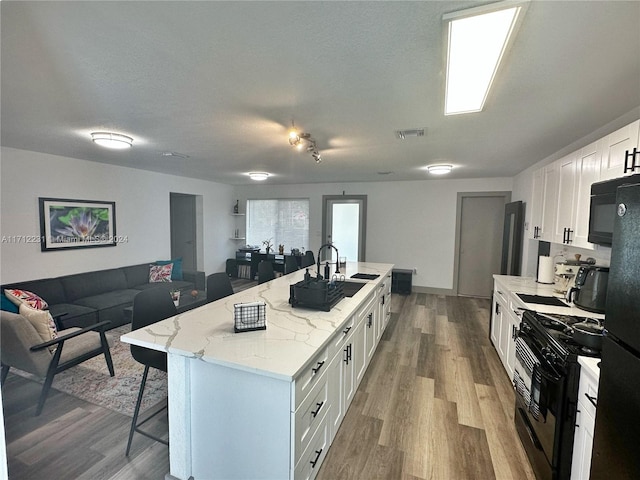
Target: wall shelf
[237, 238]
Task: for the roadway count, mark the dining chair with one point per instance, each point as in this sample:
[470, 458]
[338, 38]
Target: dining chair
[265, 272]
[218, 286]
[308, 259]
[290, 264]
[149, 306]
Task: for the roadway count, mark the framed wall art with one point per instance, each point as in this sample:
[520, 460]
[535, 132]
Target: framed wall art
[68, 224]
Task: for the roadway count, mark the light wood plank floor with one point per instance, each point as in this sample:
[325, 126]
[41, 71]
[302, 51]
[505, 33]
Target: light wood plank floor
[434, 404]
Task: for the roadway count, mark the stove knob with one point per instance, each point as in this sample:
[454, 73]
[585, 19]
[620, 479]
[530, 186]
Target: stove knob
[550, 356]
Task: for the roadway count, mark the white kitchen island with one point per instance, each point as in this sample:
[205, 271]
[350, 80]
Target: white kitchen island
[265, 404]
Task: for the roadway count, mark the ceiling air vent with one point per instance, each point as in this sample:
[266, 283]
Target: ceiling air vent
[414, 132]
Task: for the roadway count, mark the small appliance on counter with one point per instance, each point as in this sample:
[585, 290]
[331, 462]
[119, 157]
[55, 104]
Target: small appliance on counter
[565, 273]
[590, 291]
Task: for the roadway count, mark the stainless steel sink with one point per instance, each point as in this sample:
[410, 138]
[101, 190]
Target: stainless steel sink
[351, 288]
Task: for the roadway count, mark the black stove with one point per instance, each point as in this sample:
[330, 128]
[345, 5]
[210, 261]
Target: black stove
[546, 377]
[558, 329]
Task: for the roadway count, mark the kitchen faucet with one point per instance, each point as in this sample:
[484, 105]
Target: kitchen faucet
[337, 259]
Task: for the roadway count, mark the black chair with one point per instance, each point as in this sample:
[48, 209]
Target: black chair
[218, 286]
[149, 306]
[308, 260]
[290, 264]
[265, 272]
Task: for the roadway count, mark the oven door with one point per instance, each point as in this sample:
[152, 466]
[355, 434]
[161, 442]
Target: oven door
[538, 405]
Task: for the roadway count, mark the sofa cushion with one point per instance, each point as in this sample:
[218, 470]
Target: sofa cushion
[41, 321]
[90, 284]
[109, 299]
[160, 273]
[136, 274]
[76, 315]
[19, 297]
[7, 305]
[176, 272]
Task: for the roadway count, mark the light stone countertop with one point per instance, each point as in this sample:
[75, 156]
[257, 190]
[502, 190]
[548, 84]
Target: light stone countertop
[293, 335]
[530, 286]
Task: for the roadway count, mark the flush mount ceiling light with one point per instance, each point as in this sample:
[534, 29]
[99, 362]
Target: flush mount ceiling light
[298, 139]
[258, 176]
[439, 169]
[414, 132]
[477, 40]
[112, 140]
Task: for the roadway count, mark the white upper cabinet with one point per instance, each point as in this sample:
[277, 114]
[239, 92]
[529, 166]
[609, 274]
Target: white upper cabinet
[587, 172]
[549, 204]
[564, 206]
[615, 148]
[537, 204]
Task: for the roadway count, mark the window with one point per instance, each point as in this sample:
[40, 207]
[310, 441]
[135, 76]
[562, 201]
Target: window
[283, 221]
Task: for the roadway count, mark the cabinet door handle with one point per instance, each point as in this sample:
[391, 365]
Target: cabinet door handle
[346, 355]
[350, 351]
[313, 462]
[346, 330]
[630, 156]
[317, 369]
[370, 320]
[317, 410]
[569, 232]
[592, 400]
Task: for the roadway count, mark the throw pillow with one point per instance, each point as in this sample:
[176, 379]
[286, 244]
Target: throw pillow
[42, 321]
[7, 305]
[176, 274]
[160, 273]
[24, 296]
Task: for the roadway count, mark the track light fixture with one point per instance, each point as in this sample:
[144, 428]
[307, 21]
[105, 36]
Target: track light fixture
[298, 139]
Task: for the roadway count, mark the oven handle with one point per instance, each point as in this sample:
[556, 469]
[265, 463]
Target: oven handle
[546, 369]
[529, 428]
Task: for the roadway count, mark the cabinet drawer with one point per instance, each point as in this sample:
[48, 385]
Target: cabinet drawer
[341, 335]
[309, 415]
[500, 294]
[588, 392]
[309, 376]
[312, 458]
[367, 307]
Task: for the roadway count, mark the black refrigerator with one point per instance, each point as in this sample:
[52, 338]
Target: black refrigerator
[616, 445]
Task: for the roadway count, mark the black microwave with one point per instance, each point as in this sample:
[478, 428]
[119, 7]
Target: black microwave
[602, 211]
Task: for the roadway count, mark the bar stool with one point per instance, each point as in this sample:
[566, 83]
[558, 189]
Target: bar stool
[290, 264]
[218, 286]
[265, 272]
[149, 306]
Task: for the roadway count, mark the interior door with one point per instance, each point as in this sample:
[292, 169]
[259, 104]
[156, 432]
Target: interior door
[481, 221]
[183, 229]
[344, 225]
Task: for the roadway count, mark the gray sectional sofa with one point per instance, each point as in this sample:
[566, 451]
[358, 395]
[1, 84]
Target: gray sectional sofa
[92, 297]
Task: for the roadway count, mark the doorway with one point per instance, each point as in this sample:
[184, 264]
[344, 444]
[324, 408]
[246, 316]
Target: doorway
[344, 224]
[479, 232]
[184, 229]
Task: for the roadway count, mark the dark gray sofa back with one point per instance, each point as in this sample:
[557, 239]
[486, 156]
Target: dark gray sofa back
[136, 274]
[49, 289]
[88, 284]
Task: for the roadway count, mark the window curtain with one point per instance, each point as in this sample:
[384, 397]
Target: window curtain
[282, 221]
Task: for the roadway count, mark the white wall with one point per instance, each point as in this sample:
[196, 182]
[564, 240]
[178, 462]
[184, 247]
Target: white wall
[142, 214]
[522, 191]
[410, 224]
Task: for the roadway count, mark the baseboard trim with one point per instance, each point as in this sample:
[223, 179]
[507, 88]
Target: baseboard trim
[433, 291]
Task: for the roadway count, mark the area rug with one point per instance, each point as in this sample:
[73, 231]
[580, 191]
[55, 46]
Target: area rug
[90, 380]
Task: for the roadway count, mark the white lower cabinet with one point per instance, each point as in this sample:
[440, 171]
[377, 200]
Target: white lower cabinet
[505, 321]
[585, 425]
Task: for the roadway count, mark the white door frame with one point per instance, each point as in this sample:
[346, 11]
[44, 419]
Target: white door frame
[326, 199]
[456, 258]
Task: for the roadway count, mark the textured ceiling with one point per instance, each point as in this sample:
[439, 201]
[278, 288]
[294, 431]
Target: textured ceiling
[222, 81]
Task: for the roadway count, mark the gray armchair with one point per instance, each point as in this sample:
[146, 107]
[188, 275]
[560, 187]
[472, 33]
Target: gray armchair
[23, 348]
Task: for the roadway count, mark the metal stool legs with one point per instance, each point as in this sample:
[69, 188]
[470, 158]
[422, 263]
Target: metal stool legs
[134, 425]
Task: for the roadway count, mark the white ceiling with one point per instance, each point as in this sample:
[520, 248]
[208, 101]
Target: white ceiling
[222, 81]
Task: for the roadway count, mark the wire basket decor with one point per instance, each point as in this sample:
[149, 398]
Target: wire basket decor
[250, 316]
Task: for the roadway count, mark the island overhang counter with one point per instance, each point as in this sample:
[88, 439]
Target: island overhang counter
[250, 405]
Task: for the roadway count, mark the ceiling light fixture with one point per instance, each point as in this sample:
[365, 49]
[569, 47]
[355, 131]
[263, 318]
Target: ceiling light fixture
[296, 140]
[439, 169]
[258, 176]
[477, 40]
[112, 140]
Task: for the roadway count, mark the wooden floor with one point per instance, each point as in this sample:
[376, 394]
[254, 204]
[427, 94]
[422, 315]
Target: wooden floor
[435, 403]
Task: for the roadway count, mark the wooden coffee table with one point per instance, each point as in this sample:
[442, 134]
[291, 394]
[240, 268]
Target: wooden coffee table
[187, 302]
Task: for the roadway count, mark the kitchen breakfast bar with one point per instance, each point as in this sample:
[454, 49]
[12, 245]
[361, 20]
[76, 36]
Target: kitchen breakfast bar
[266, 404]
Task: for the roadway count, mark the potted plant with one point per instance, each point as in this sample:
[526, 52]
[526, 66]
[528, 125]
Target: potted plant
[175, 296]
[267, 245]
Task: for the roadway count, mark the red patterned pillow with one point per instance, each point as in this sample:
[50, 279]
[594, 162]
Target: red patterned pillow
[23, 296]
[160, 273]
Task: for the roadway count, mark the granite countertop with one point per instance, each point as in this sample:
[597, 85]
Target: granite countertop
[529, 285]
[293, 335]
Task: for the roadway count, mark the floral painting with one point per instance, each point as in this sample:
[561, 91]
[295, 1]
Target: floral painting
[68, 224]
